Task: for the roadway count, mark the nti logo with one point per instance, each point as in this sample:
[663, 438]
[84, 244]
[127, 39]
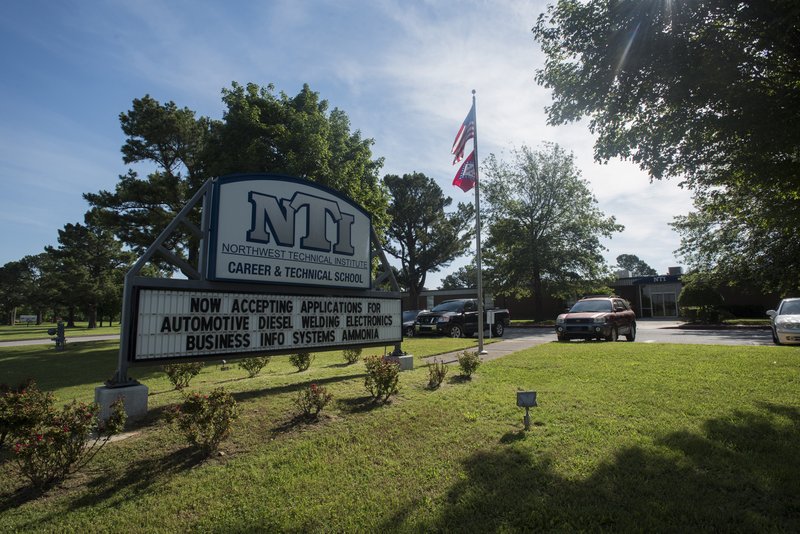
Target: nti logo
[283, 230]
[273, 218]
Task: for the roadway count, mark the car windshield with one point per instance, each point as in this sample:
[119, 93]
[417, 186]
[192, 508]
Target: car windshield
[591, 306]
[448, 306]
[410, 315]
[790, 307]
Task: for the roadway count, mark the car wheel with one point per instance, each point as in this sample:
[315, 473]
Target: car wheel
[455, 331]
[562, 338]
[613, 335]
[631, 336]
[775, 338]
[409, 331]
[499, 329]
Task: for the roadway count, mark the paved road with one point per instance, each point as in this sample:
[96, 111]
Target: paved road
[668, 332]
[47, 341]
[652, 331]
[649, 331]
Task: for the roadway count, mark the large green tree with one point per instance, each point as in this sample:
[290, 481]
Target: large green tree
[544, 226]
[262, 131]
[421, 234]
[13, 283]
[463, 278]
[259, 132]
[702, 90]
[41, 289]
[172, 140]
[634, 265]
[89, 262]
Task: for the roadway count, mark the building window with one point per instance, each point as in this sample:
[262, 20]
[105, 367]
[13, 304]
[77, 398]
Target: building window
[664, 305]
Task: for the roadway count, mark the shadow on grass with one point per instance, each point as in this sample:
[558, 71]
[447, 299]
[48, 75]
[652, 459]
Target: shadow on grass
[296, 422]
[89, 364]
[511, 437]
[459, 379]
[239, 379]
[137, 480]
[358, 404]
[291, 388]
[340, 365]
[741, 473]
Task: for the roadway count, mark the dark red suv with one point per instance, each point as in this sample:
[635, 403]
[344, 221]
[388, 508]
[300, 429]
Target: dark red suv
[597, 318]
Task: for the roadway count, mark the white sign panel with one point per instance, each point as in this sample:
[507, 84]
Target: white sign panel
[277, 229]
[196, 324]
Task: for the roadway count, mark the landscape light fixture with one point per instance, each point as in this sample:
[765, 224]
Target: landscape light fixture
[527, 400]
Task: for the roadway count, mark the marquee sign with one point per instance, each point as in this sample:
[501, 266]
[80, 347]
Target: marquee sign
[286, 267]
[282, 230]
[173, 324]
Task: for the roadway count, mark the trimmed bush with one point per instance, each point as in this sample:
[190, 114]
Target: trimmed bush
[436, 373]
[351, 356]
[253, 366]
[180, 374]
[468, 361]
[206, 420]
[21, 408]
[383, 376]
[301, 360]
[312, 400]
[56, 446]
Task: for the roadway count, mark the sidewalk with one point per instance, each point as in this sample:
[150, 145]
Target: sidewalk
[514, 339]
[48, 341]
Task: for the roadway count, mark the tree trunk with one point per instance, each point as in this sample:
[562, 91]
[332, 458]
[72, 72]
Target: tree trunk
[71, 317]
[537, 297]
[413, 293]
[92, 316]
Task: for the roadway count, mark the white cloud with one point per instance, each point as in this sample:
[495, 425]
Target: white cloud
[403, 72]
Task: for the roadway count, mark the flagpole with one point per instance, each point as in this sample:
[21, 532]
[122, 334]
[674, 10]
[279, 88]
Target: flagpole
[478, 230]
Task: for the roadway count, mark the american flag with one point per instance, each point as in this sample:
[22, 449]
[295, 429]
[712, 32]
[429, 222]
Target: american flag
[465, 133]
[465, 177]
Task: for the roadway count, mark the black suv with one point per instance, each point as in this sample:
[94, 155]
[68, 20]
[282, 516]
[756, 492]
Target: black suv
[597, 318]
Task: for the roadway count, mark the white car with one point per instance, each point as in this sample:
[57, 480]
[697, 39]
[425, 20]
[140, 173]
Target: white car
[786, 322]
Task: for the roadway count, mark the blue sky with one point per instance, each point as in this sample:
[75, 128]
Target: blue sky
[402, 71]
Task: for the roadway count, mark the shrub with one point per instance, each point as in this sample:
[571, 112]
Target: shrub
[301, 360]
[57, 445]
[383, 376]
[436, 373]
[206, 420]
[312, 400]
[180, 374]
[700, 292]
[253, 366]
[22, 408]
[351, 356]
[468, 361]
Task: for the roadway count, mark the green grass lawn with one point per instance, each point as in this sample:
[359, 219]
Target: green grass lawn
[24, 331]
[627, 436]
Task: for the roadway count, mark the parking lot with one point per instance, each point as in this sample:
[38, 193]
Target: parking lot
[655, 331]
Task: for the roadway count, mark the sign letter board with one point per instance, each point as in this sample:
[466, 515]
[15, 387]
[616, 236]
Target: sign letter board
[174, 324]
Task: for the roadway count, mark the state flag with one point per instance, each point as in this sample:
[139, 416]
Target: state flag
[465, 178]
